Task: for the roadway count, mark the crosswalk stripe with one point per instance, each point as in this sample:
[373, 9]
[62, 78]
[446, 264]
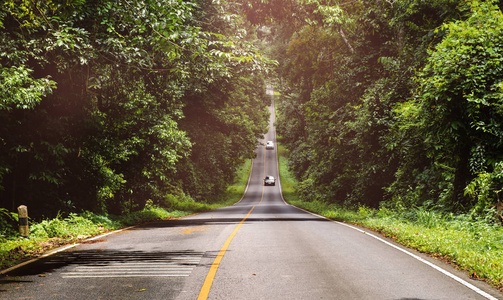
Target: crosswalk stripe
[129, 275]
[124, 264]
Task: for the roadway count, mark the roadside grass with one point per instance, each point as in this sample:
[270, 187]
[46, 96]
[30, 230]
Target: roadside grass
[472, 245]
[236, 190]
[288, 181]
[49, 234]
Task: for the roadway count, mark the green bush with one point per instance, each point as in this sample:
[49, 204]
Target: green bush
[7, 224]
[485, 189]
[72, 226]
[147, 214]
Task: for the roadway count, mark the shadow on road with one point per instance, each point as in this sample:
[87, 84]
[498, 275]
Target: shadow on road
[102, 258]
[263, 213]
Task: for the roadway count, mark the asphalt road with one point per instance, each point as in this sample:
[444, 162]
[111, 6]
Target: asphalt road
[259, 248]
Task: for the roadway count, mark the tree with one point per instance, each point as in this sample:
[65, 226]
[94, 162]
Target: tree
[456, 113]
[95, 94]
[347, 67]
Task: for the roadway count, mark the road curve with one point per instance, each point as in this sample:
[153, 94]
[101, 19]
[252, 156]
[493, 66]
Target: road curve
[259, 248]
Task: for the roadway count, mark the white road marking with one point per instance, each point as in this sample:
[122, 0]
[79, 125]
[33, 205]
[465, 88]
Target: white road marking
[129, 275]
[445, 272]
[132, 265]
[448, 274]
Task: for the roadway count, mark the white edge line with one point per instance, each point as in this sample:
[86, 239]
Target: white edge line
[61, 249]
[115, 276]
[448, 274]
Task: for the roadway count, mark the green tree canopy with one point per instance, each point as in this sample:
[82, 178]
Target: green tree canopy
[394, 102]
[94, 94]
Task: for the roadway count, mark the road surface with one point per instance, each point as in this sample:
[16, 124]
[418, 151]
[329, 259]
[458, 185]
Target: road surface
[259, 248]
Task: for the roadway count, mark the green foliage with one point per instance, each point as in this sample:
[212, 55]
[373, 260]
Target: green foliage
[223, 126]
[334, 136]
[103, 102]
[144, 215]
[454, 118]
[21, 91]
[7, 223]
[236, 190]
[485, 189]
[180, 203]
[71, 226]
[289, 185]
[391, 112]
[396, 102]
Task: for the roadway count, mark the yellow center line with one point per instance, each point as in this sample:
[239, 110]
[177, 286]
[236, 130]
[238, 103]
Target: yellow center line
[205, 289]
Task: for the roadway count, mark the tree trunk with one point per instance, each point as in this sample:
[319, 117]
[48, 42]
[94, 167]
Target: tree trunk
[346, 41]
[461, 177]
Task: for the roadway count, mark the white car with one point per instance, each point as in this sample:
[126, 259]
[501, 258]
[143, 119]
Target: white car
[269, 145]
[269, 180]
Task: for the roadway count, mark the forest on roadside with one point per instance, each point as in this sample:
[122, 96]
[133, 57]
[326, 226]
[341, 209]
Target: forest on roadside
[391, 103]
[107, 105]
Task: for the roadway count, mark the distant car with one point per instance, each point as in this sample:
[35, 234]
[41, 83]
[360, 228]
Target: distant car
[269, 145]
[269, 180]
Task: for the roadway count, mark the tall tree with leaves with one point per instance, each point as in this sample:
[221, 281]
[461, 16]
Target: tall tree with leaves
[456, 113]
